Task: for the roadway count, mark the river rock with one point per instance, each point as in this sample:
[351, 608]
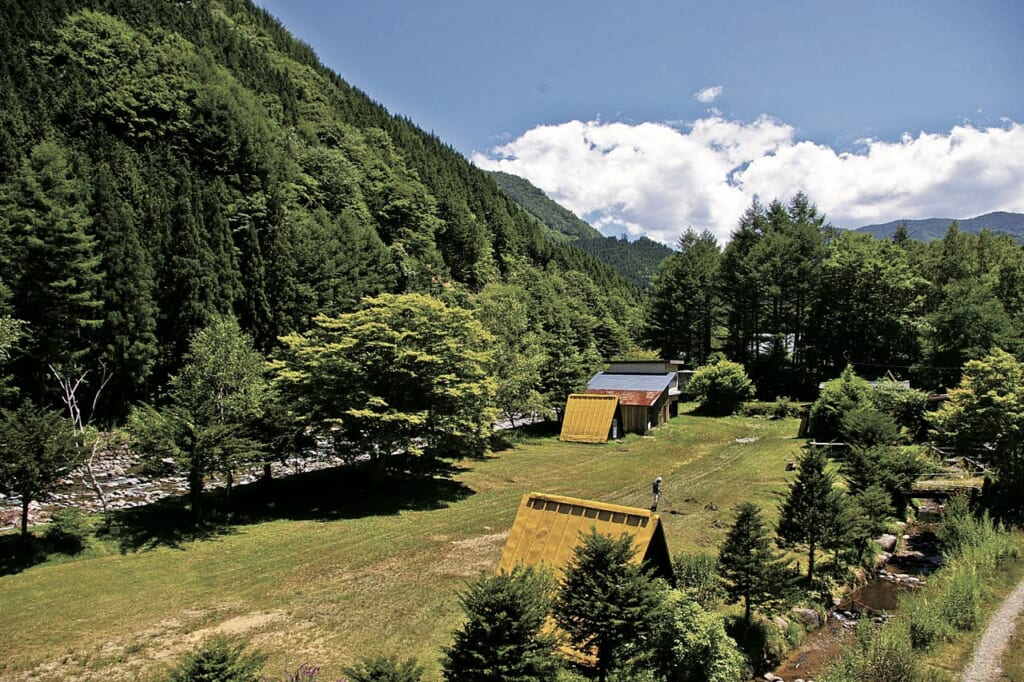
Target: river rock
[809, 617]
[887, 542]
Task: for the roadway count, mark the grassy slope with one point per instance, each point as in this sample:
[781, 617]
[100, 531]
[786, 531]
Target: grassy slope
[327, 592]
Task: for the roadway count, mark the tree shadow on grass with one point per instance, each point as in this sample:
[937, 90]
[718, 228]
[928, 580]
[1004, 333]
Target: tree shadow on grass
[18, 554]
[343, 492]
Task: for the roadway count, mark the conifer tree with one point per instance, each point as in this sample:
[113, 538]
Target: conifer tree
[810, 509]
[55, 273]
[36, 450]
[751, 570]
[608, 605]
[503, 637]
[128, 335]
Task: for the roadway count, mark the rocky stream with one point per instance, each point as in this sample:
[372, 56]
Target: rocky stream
[905, 563]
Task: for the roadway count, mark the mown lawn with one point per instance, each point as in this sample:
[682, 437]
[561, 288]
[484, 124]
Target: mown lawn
[347, 565]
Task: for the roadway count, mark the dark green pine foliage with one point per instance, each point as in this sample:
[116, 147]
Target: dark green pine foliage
[811, 507]
[752, 572]
[503, 637]
[683, 309]
[257, 183]
[128, 336]
[609, 606]
[197, 281]
[54, 267]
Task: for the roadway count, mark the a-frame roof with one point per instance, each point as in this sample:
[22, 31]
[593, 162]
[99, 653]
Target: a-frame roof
[548, 528]
[588, 418]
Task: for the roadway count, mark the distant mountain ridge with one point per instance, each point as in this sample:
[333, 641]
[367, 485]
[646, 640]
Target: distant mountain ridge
[999, 222]
[637, 261]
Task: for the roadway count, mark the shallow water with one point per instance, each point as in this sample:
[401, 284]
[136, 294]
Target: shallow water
[878, 598]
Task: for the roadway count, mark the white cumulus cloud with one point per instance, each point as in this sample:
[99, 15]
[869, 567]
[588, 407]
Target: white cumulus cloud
[657, 180]
[709, 94]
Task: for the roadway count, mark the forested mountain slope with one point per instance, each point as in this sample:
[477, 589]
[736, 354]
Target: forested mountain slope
[998, 222]
[637, 261]
[164, 163]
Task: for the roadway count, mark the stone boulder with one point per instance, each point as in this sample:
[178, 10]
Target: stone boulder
[809, 617]
[887, 543]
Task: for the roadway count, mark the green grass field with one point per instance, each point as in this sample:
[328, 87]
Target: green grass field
[351, 564]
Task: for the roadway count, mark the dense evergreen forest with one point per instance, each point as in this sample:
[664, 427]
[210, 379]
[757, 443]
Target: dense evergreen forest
[796, 301]
[637, 261]
[165, 164]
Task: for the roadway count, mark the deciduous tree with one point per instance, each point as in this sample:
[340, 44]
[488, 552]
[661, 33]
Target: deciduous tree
[213, 403]
[404, 374]
[985, 415]
[36, 450]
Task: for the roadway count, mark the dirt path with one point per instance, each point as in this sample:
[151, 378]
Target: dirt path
[987, 661]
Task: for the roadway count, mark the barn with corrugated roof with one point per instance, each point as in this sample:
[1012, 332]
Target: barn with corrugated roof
[646, 400]
[547, 529]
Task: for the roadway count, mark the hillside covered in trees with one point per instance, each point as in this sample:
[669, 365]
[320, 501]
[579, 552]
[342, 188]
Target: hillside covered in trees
[929, 229]
[164, 164]
[795, 301]
[637, 260]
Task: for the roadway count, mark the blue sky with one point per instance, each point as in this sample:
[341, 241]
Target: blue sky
[879, 110]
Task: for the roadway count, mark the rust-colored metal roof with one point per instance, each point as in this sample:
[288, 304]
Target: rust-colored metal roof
[548, 528]
[588, 418]
[629, 398]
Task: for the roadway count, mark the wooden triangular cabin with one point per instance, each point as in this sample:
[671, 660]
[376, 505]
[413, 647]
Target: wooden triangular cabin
[548, 528]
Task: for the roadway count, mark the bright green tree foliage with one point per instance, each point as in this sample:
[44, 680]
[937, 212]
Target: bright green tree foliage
[609, 606]
[752, 571]
[36, 450]
[503, 637]
[517, 351]
[985, 416]
[721, 387]
[404, 374]
[695, 646]
[206, 427]
[839, 396]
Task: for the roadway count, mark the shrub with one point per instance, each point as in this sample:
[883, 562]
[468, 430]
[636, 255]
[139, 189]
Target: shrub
[385, 669]
[925, 625]
[905, 405]
[961, 603]
[878, 656]
[784, 407]
[722, 387]
[698, 575]
[868, 428]
[839, 396]
[68, 530]
[217, 660]
[694, 646]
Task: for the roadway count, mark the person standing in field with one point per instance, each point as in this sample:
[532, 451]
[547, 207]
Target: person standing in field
[656, 489]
